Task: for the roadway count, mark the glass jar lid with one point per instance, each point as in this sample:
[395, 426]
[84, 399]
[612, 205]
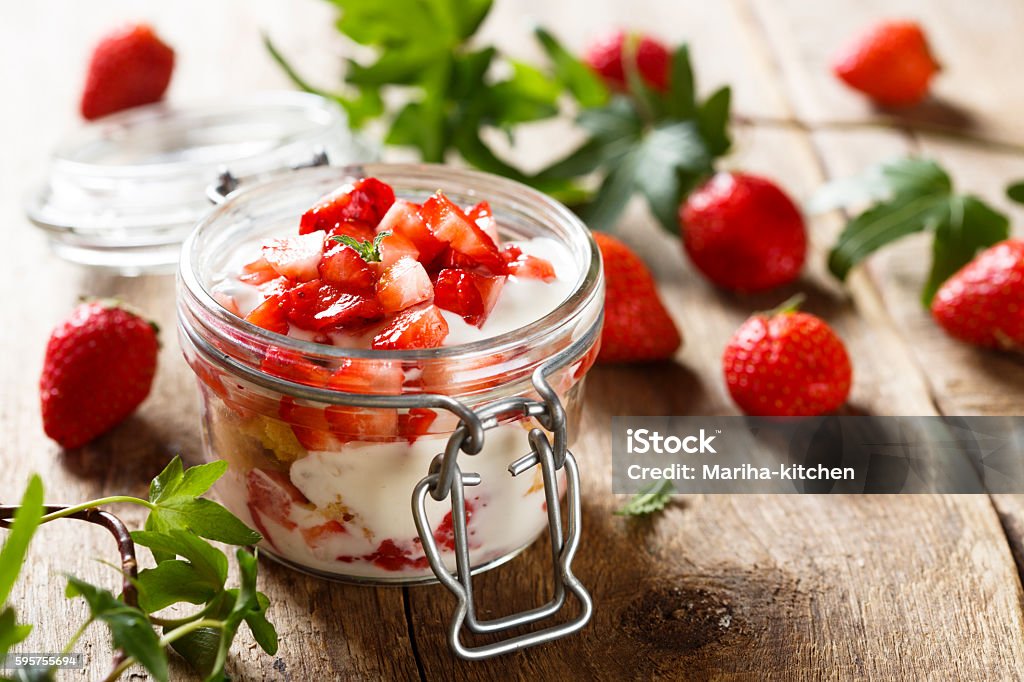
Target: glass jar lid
[125, 191]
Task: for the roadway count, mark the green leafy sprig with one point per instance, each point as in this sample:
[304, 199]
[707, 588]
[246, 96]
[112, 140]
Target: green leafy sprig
[908, 196]
[450, 90]
[653, 498]
[188, 570]
[368, 250]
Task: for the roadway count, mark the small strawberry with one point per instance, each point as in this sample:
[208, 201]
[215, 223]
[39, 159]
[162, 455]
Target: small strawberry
[787, 364]
[129, 67]
[637, 327]
[743, 232]
[983, 303]
[652, 60]
[890, 63]
[98, 368]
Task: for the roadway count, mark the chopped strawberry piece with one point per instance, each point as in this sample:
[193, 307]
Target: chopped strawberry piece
[403, 284]
[450, 224]
[270, 315]
[395, 246]
[422, 327]
[309, 424]
[483, 216]
[466, 293]
[291, 366]
[295, 257]
[375, 377]
[361, 423]
[343, 267]
[316, 536]
[366, 201]
[444, 536]
[390, 557]
[257, 272]
[272, 494]
[228, 302]
[359, 231]
[415, 423]
[317, 306]
[403, 219]
[532, 267]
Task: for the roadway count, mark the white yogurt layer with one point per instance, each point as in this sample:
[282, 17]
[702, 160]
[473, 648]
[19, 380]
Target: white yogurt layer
[374, 482]
[522, 300]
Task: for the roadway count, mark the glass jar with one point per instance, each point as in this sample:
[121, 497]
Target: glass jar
[478, 434]
[124, 192]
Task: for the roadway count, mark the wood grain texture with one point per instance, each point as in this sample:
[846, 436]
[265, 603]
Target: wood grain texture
[721, 587]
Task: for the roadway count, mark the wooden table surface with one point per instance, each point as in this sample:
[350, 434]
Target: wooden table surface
[731, 587]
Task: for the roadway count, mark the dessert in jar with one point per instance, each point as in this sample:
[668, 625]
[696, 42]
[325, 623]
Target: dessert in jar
[342, 322]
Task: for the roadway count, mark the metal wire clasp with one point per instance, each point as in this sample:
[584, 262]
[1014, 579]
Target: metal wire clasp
[445, 478]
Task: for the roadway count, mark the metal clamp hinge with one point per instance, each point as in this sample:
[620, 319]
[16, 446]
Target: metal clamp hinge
[564, 541]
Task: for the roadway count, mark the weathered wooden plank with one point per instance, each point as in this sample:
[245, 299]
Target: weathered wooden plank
[975, 90]
[328, 631]
[754, 587]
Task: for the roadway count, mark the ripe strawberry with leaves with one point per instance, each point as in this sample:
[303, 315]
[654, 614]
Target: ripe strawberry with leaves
[608, 56]
[890, 62]
[787, 363]
[743, 232]
[99, 367]
[983, 303]
[128, 68]
[637, 328]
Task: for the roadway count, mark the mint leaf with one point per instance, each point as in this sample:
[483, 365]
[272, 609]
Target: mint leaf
[881, 225]
[967, 226]
[585, 85]
[196, 580]
[368, 250]
[129, 627]
[1015, 192]
[654, 498]
[175, 492]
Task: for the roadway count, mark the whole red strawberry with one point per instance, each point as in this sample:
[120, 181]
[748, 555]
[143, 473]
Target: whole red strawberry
[99, 367]
[890, 63]
[129, 67]
[787, 364]
[652, 60]
[983, 303]
[637, 327]
[743, 232]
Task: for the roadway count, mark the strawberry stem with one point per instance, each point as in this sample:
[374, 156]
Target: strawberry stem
[790, 305]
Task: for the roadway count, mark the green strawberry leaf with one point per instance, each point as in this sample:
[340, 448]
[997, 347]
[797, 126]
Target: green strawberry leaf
[965, 228]
[669, 153]
[262, 629]
[129, 627]
[576, 77]
[880, 225]
[682, 94]
[527, 95]
[1015, 192]
[912, 195]
[196, 580]
[175, 494]
[654, 498]
[713, 122]
[26, 521]
[602, 213]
